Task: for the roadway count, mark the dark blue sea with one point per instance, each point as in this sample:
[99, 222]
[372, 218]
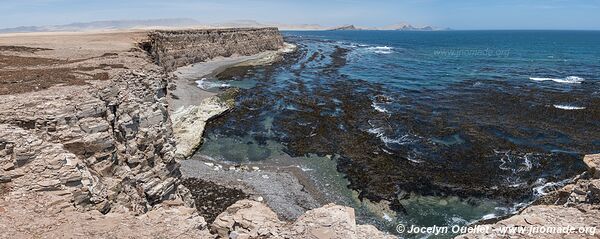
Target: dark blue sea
[421, 128]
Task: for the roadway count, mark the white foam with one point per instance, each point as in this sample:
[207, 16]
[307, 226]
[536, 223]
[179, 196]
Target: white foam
[405, 139]
[547, 187]
[376, 131]
[508, 161]
[566, 80]
[383, 52]
[204, 84]
[381, 49]
[527, 163]
[387, 152]
[379, 108]
[414, 160]
[379, 132]
[569, 107]
[488, 216]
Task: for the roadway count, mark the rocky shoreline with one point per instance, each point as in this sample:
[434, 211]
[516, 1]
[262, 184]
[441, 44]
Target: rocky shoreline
[89, 143]
[290, 203]
[191, 107]
[94, 135]
[575, 205]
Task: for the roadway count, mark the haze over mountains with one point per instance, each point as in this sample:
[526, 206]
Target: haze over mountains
[188, 23]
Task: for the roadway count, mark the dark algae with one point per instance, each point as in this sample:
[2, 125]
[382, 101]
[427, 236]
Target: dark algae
[404, 122]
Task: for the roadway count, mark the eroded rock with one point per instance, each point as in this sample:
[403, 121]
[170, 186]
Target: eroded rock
[95, 158]
[251, 219]
[189, 123]
[593, 163]
[172, 49]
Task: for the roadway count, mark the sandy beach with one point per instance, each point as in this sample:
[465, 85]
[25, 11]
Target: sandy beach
[185, 88]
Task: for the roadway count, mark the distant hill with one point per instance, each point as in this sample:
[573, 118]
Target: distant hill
[396, 27]
[347, 27]
[281, 26]
[407, 27]
[155, 23]
[189, 23]
[107, 25]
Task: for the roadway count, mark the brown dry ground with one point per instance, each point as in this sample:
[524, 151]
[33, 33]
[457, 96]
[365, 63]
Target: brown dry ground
[37, 61]
[60, 69]
[64, 70]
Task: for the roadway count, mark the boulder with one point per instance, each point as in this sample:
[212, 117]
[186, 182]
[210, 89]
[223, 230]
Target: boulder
[593, 163]
[251, 219]
[247, 219]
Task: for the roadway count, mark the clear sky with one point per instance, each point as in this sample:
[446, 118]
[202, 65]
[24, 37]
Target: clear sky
[456, 14]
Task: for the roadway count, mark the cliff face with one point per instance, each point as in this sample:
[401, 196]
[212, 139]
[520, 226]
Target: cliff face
[103, 144]
[95, 123]
[87, 147]
[172, 49]
[191, 107]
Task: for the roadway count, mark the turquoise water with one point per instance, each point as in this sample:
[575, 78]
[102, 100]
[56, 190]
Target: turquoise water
[444, 127]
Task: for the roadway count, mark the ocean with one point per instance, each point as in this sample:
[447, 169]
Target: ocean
[420, 128]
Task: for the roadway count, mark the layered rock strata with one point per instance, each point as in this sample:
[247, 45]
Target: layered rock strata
[86, 136]
[172, 49]
[191, 107]
[108, 143]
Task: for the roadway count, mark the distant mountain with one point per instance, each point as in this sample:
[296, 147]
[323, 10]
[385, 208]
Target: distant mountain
[396, 27]
[107, 25]
[306, 27]
[281, 26]
[239, 23]
[156, 23]
[192, 23]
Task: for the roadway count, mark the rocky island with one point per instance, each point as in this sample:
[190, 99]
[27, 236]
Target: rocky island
[94, 126]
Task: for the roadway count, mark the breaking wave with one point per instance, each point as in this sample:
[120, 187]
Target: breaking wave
[566, 80]
[381, 49]
[569, 107]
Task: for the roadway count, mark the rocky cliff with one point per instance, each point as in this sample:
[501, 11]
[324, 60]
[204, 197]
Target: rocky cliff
[172, 49]
[86, 139]
[105, 143]
[97, 125]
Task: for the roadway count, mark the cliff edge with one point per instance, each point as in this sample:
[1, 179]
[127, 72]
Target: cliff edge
[87, 147]
[172, 49]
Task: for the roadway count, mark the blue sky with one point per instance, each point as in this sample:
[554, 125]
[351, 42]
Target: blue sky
[456, 14]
